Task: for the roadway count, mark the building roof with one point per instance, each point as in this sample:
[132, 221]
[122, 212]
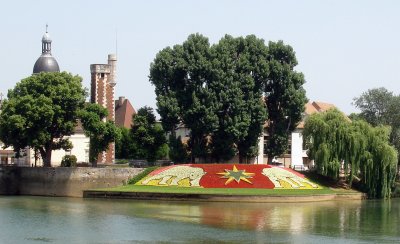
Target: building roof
[46, 63]
[322, 107]
[314, 107]
[123, 112]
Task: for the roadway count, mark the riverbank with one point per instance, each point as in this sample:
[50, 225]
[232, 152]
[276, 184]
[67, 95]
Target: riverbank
[222, 195]
[60, 181]
[111, 183]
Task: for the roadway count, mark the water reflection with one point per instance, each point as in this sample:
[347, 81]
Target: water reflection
[334, 218]
[91, 219]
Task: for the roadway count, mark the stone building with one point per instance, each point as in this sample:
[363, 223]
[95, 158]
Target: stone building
[103, 81]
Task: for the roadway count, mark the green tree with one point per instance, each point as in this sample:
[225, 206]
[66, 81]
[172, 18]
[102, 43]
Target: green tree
[40, 112]
[363, 150]
[101, 133]
[284, 95]
[381, 107]
[239, 70]
[125, 147]
[376, 105]
[180, 76]
[217, 92]
[148, 135]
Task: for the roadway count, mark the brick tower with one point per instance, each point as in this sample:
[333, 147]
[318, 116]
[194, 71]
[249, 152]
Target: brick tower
[103, 81]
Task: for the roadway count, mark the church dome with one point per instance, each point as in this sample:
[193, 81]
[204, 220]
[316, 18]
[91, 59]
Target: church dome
[46, 62]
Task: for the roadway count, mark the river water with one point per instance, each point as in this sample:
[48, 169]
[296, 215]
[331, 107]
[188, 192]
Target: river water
[72, 220]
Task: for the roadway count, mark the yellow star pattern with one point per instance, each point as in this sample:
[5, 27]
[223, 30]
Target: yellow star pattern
[236, 175]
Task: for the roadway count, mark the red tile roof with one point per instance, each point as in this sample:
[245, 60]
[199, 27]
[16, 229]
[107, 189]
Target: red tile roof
[123, 112]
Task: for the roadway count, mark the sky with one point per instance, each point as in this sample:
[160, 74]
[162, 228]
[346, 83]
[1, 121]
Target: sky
[343, 47]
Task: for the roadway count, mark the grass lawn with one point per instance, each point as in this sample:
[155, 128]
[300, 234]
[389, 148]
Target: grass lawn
[219, 191]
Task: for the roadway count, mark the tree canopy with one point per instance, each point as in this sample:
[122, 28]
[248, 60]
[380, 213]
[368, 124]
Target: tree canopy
[41, 111]
[363, 151]
[381, 107]
[148, 135]
[100, 133]
[224, 92]
[284, 95]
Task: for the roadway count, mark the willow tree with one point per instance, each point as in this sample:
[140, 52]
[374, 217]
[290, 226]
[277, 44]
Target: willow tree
[325, 137]
[363, 150]
[378, 160]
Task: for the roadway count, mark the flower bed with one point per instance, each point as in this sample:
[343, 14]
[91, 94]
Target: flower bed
[228, 176]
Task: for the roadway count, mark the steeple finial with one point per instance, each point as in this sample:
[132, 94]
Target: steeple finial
[46, 27]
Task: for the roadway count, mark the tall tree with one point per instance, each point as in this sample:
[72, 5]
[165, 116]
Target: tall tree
[217, 92]
[40, 112]
[284, 95]
[180, 76]
[239, 70]
[148, 135]
[101, 133]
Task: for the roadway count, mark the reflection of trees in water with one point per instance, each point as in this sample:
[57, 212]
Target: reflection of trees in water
[365, 219]
[361, 219]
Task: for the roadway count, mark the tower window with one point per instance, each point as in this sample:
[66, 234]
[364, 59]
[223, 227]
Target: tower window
[102, 75]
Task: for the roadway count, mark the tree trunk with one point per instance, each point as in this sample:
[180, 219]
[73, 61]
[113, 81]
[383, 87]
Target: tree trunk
[47, 158]
[43, 154]
[240, 158]
[269, 159]
[93, 155]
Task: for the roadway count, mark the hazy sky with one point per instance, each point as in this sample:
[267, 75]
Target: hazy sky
[343, 47]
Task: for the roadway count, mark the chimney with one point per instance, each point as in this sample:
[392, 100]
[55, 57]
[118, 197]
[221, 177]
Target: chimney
[121, 101]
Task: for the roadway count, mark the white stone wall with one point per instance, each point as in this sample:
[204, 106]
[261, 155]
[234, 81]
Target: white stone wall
[297, 148]
[80, 149]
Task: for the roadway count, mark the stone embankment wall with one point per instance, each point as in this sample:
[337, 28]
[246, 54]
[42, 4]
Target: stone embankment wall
[70, 182]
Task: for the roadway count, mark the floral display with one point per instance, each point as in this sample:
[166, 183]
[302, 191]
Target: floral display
[228, 176]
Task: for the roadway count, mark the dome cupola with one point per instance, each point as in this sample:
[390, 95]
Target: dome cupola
[46, 62]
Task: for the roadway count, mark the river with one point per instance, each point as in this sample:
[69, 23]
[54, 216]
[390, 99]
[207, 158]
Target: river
[74, 220]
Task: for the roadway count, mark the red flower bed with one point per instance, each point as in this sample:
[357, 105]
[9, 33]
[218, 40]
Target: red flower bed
[227, 176]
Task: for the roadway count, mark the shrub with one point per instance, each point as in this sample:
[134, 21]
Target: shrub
[141, 175]
[68, 161]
